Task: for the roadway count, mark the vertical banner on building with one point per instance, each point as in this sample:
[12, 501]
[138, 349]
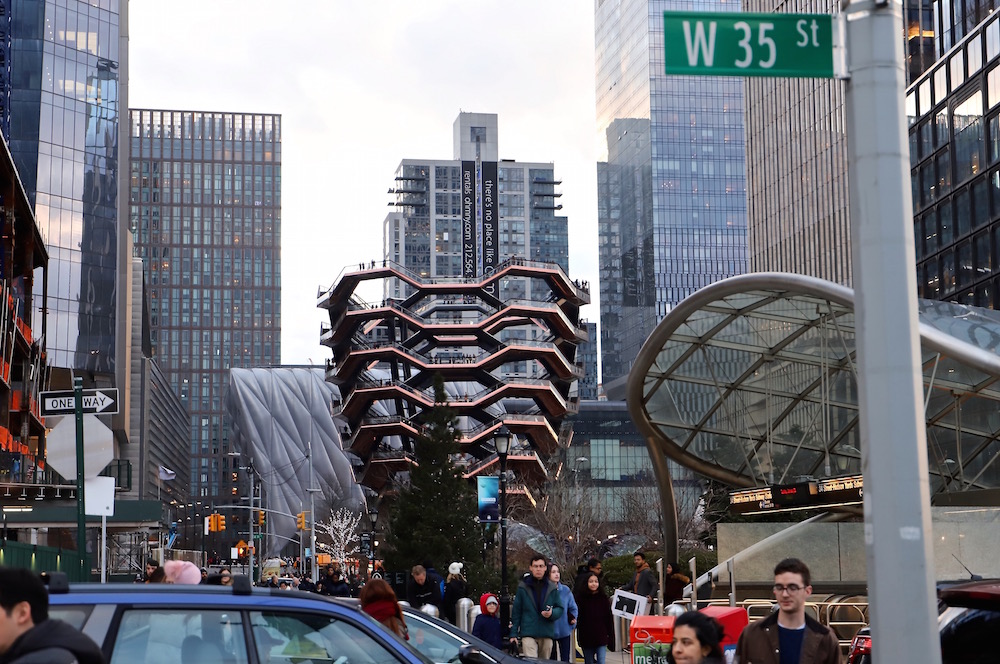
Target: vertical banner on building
[491, 220]
[470, 258]
[489, 492]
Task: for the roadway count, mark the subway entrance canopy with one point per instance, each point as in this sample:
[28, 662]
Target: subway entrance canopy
[752, 381]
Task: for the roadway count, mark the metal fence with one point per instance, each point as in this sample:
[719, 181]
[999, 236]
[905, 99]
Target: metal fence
[44, 559]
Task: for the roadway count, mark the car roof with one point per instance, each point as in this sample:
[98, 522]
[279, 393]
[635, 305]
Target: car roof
[975, 594]
[169, 593]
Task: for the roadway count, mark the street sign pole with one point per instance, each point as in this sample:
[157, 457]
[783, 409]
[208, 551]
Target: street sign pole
[81, 518]
[893, 430]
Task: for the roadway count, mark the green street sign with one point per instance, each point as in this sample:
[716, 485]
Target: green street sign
[258, 536]
[729, 44]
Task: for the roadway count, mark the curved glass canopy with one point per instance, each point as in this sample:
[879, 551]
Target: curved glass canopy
[752, 381]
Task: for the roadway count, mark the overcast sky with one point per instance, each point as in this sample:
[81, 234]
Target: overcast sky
[363, 84]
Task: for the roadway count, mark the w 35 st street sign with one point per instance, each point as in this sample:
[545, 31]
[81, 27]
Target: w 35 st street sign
[727, 44]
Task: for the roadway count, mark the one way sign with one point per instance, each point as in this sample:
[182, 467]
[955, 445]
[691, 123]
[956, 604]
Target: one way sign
[101, 402]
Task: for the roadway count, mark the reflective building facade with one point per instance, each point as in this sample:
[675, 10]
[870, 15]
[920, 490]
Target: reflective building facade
[797, 189]
[954, 113]
[671, 181]
[206, 217]
[63, 126]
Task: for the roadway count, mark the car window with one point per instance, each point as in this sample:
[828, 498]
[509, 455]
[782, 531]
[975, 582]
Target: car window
[168, 636]
[969, 637]
[307, 638]
[435, 643]
[72, 614]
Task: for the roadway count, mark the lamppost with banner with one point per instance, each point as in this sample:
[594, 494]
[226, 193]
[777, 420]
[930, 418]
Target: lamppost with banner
[373, 515]
[501, 440]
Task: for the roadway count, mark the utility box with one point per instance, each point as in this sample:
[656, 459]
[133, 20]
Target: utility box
[651, 637]
[733, 620]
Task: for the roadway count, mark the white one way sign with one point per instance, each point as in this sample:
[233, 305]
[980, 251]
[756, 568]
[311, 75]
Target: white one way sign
[99, 401]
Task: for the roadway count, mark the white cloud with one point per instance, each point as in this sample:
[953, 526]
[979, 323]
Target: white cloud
[363, 85]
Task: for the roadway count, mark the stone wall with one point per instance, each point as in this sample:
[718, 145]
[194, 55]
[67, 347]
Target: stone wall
[835, 552]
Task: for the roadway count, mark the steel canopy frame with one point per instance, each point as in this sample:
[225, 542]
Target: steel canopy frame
[705, 321]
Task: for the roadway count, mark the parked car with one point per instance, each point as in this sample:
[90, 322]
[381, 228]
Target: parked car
[968, 624]
[166, 624]
[441, 641]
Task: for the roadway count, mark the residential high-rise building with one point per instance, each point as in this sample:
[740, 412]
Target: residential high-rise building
[671, 183]
[463, 216]
[206, 217]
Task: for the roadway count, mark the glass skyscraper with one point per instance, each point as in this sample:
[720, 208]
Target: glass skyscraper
[671, 183]
[206, 217]
[63, 89]
[798, 203]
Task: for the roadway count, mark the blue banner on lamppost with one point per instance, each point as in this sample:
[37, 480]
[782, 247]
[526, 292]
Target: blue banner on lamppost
[489, 506]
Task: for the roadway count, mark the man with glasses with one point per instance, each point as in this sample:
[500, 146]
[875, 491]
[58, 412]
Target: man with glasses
[788, 635]
[537, 607]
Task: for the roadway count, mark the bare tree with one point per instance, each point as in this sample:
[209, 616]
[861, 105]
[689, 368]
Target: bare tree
[341, 528]
[641, 516]
[640, 511]
[571, 525]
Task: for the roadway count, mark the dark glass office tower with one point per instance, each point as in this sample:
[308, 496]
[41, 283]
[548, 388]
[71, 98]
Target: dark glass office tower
[206, 217]
[671, 184]
[62, 83]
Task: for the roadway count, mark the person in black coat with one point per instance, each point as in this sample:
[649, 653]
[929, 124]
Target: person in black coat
[595, 628]
[27, 634]
[420, 590]
[580, 582]
[455, 588]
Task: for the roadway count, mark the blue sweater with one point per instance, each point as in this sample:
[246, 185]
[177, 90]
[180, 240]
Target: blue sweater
[562, 626]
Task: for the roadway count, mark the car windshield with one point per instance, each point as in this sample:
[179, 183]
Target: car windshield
[434, 642]
[409, 644]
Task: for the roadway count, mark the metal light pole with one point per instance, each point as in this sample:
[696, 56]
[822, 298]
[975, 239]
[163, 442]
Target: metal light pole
[576, 489]
[313, 571]
[501, 439]
[373, 515]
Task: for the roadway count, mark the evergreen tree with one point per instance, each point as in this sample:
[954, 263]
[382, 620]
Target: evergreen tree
[435, 517]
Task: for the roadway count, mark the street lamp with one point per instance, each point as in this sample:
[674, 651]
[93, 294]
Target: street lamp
[501, 439]
[576, 489]
[373, 515]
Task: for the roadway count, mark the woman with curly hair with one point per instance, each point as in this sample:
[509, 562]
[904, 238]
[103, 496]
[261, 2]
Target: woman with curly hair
[379, 601]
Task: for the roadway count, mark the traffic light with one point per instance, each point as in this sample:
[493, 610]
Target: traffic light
[220, 522]
[213, 524]
[260, 518]
[300, 520]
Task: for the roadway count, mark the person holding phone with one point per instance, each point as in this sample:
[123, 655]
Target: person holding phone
[537, 607]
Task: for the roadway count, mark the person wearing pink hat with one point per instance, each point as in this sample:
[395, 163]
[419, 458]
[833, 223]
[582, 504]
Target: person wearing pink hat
[181, 571]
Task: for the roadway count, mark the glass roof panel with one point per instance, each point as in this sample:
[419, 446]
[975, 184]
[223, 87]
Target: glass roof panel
[700, 323]
[803, 398]
[669, 354]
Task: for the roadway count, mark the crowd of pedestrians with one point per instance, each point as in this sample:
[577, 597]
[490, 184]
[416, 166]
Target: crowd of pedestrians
[544, 612]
